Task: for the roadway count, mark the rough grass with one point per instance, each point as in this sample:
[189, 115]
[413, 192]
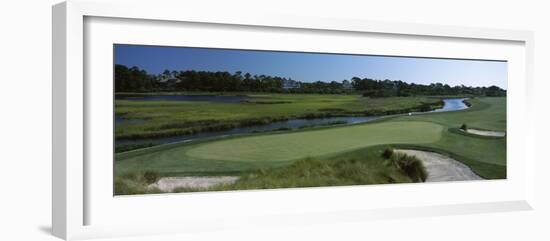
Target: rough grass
[135, 183]
[272, 150]
[484, 113]
[312, 173]
[486, 156]
[171, 118]
[353, 146]
[410, 165]
[359, 167]
[234, 155]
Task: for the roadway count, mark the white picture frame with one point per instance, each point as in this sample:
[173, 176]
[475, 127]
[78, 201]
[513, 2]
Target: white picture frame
[73, 194]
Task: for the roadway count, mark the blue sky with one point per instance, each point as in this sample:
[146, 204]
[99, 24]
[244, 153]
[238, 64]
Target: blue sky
[314, 66]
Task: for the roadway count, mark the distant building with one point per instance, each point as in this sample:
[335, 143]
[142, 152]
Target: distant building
[347, 85]
[290, 84]
[170, 82]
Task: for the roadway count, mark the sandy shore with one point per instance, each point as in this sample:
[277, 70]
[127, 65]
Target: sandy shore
[168, 184]
[442, 168]
[486, 133]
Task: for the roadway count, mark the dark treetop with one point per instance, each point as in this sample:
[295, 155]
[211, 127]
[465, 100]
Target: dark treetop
[135, 79]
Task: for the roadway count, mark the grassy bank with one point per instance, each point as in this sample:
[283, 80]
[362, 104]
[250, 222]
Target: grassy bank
[173, 118]
[271, 150]
[358, 167]
[271, 160]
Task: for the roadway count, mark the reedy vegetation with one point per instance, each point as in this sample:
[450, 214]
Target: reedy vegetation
[165, 118]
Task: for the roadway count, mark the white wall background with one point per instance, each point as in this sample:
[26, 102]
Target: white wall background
[25, 119]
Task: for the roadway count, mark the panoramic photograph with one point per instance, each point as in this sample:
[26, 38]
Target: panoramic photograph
[190, 119]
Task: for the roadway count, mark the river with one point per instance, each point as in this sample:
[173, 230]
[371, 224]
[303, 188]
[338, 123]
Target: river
[449, 105]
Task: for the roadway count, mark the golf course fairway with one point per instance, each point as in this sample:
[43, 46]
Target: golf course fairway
[430, 132]
[292, 146]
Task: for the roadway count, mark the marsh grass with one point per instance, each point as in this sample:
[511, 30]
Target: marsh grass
[388, 152]
[173, 118]
[486, 113]
[409, 165]
[305, 173]
[151, 176]
[359, 167]
[131, 183]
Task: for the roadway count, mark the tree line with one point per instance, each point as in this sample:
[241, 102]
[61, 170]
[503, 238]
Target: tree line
[386, 88]
[134, 79]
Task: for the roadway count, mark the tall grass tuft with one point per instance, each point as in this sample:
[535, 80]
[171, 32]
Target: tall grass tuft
[409, 165]
[151, 176]
[388, 152]
[136, 183]
[316, 173]
[125, 186]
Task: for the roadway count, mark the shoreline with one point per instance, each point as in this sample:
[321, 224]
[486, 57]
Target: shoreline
[264, 121]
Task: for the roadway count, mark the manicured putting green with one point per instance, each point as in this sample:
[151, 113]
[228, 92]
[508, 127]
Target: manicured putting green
[231, 156]
[291, 146]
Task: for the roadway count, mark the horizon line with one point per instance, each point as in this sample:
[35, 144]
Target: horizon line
[326, 81]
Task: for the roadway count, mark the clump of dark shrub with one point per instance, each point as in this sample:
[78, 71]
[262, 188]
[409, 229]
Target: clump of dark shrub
[388, 152]
[151, 176]
[135, 183]
[125, 186]
[409, 165]
[464, 127]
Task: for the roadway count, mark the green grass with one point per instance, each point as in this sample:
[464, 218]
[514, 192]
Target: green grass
[257, 151]
[270, 160]
[292, 146]
[358, 167]
[485, 113]
[170, 118]
[410, 165]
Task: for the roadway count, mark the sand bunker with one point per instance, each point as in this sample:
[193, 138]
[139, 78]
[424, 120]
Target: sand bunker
[442, 168]
[486, 133]
[168, 184]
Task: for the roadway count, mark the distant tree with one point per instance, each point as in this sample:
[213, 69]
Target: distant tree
[136, 79]
[132, 79]
[166, 73]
